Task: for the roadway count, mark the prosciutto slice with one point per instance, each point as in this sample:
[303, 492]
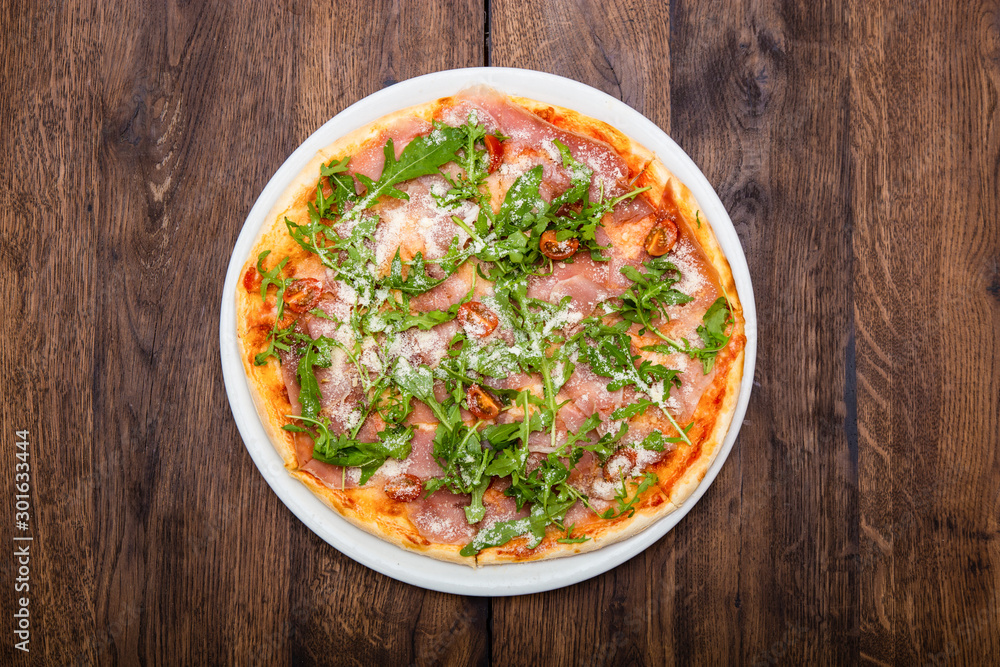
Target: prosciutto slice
[529, 135]
[371, 159]
[441, 517]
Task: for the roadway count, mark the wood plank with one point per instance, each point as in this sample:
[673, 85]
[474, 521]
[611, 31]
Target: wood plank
[856, 148]
[138, 152]
[619, 46]
[48, 151]
[926, 80]
[759, 97]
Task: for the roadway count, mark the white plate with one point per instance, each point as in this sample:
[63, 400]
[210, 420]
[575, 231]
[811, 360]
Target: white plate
[518, 578]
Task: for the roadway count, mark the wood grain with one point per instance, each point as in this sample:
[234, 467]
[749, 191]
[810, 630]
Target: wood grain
[146, 133]
[927, 249]
[856, 147]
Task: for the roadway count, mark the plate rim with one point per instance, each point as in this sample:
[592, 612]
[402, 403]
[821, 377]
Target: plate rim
[367, 549]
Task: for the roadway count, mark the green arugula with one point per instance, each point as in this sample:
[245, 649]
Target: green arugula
[423, 156]
[346, 451]
[277, 338]
[503, 532]
[712, 332]
[625, 504]
[470, 183]
[573, 215]
[651, 293]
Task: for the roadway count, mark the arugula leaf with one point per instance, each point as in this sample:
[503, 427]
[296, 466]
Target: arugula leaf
[344, 450]
[277, 339]
[418, 381]
[608, 443]
[580, 178]
[342, 191]
[427, 319]
[651, 294]
[316, 354]
[655, 441]
[273, 277]
[416, 282]
[572, 540]
[501, 533]
[521, 203]
[610, 357]
[476, 511]
[584, 430]
[474, 163]
[648, 480]
[423, 156]
[320, 313]
[629, 411]
[712, 333]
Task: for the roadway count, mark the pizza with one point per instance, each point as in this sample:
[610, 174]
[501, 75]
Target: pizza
[492, 330]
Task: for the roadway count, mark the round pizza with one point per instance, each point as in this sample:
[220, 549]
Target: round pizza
[492, 330]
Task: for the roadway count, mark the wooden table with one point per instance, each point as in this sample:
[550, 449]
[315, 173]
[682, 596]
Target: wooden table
[856, 146]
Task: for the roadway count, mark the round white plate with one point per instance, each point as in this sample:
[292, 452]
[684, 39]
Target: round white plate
[518, 578]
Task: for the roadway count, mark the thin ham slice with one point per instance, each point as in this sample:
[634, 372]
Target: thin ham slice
[528, 132]
[331, 476]
[441, 517]
[448, 293]
[515, 381]
[541, 441]
[500, 507]
[370, 159]
[585, 281]
[424, 347]
[589, 392]
[420, 224]
[421, 458]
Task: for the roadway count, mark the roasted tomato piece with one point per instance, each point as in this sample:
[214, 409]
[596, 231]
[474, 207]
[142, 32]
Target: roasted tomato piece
[620, 465]
[481, 404]
[554, 249]
[477, 319]
[303, 295]
[404, 488]
[251, 279]
[495, 149]
[662, 237]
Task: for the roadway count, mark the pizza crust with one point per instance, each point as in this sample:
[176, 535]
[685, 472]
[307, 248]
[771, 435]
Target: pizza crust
[369, 508]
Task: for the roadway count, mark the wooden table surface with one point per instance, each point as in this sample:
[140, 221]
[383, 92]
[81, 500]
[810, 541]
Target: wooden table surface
[856, 146]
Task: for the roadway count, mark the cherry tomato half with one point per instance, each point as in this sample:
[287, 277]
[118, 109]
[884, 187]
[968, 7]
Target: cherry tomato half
[555, 249]
[662, 237]
[495, 149]
[481, 404]
[404, 488]
[477, 319]
[303, 295]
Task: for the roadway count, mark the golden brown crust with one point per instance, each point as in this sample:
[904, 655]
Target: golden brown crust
[369, 508]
